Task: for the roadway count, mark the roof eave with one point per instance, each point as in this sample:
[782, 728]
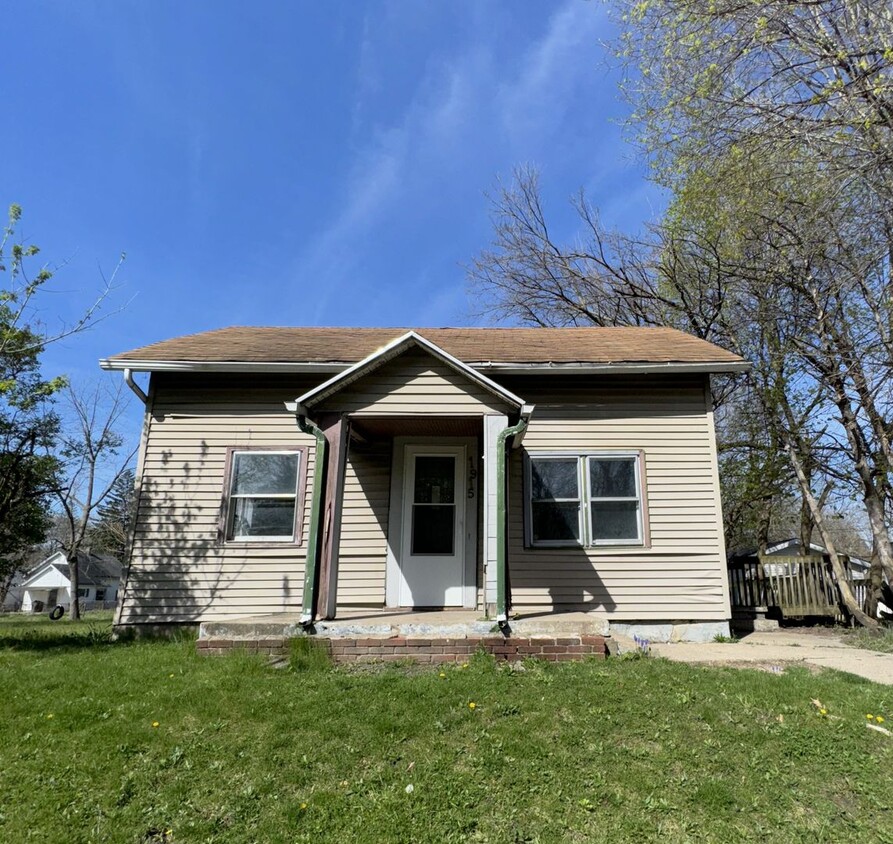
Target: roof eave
[119, 364]
[618, 368]
[504, 368]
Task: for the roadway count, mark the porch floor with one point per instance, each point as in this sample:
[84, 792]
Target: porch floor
[385, 623]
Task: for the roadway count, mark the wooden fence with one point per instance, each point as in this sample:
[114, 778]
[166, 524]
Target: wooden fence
[794, 586]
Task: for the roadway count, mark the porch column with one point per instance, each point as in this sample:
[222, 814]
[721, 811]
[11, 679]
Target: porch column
[493, 424]
[335, 427]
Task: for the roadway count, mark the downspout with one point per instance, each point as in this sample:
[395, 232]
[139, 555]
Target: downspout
[128, 379]
[501, 439]
[319, 479]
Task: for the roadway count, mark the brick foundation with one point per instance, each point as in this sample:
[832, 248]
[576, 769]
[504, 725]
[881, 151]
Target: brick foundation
[398, 649]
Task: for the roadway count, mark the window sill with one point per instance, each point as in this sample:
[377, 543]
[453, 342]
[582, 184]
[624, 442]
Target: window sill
[625, 548]
[260, 543]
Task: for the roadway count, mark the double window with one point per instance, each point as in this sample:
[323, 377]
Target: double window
[262, 500]
[585, 499]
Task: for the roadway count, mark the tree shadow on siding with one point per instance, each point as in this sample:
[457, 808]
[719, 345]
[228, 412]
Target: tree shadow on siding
[177, 569]
[569, 576]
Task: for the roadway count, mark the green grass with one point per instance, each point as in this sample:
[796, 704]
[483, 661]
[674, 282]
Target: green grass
[873, 640]
[616, 751]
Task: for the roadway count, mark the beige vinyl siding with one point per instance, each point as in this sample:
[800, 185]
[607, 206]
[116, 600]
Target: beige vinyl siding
[363, 549]
[179, 571]
[414, 384]
[682, 574]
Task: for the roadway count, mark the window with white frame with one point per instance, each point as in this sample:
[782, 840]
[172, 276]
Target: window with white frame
[263, 496]
[100, 594]
[584, 499]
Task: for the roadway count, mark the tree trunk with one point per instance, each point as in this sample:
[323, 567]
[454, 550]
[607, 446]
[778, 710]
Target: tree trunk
[763, 525]
[74, 612]
[875, 582]
[843, 586]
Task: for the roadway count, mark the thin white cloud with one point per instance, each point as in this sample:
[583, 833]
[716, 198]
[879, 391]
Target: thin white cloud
[470, 115]
[533, 104]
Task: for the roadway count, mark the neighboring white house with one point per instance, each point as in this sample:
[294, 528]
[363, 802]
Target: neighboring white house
[49, 583]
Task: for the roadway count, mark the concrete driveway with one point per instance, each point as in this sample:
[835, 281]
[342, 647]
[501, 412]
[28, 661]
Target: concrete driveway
[780, 647]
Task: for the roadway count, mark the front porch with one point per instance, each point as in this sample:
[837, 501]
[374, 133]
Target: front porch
[408, 509]
[425, 637]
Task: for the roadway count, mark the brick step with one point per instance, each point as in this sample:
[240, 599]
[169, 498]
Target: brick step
[429, 650]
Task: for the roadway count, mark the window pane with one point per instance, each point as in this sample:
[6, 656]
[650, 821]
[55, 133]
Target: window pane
[263, 517]
[435, 480]
[433, 529]
[615, 520]
[554, 522]
[554, 479]
[265, 474]
[612, 478]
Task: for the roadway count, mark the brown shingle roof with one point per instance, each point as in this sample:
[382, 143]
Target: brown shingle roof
[472, 345]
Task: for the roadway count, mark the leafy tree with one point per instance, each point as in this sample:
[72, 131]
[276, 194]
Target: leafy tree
[28, 424]
[115, 518]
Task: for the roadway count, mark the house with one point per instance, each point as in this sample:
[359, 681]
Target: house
[48, 584]
[857, 566]
[331, 471]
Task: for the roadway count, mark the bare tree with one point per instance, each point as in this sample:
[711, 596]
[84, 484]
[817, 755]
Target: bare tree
[93, 455]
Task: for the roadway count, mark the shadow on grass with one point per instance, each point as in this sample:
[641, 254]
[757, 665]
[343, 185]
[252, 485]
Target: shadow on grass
[41, 634]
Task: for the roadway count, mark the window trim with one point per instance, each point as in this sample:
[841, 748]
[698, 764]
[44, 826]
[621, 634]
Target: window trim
[643, 540]
[296, 539]
[528, 500]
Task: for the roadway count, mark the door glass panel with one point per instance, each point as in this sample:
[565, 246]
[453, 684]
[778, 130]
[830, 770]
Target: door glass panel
[433, 529]
[435, 480]
[433, 508]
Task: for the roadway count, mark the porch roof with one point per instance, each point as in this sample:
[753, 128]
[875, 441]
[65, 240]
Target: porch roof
[398, 346]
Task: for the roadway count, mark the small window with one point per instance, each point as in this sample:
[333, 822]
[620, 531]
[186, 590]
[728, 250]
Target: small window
[83, 593]
[100, 594]
[584, 499]
[555, 500]
[263, 490]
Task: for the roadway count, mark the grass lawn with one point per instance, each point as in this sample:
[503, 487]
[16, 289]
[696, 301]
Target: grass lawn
[147, 742]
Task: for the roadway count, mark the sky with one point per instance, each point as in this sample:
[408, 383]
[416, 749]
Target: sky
[295, 163]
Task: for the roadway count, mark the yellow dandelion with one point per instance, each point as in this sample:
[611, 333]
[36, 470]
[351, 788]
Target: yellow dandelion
[823, 712]
[870, 717]
[472, 705]
[156, 724]
[442, 674]
[465, 665]
[171, 675]
[879, 719]
[49, 715]
[303, 807]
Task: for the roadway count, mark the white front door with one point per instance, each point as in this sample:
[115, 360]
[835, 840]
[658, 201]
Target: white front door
[432, 565]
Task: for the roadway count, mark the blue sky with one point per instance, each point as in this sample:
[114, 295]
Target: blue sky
[295, 163]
